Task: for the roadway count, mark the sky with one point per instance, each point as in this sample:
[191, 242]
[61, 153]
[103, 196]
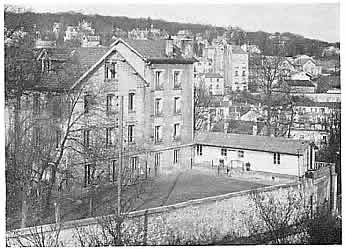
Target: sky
[315, 20]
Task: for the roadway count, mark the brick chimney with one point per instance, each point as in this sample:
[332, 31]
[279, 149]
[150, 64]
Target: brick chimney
[169, 48]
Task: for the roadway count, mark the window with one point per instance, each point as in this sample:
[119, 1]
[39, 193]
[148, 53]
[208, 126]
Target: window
[130, 133]
[109, 136]
[87, 174]
[276, 158]
[240, 153]
[86, 138]
[110, 70]
[324, 138]
[177, 79]
[177, 105]
[217, 86]
[236, 73]
[243, 73]
[158, 80]
[36, 104]
[158, 107]
[199, 150]
[223, 151]
[177, 132]
[114, 170]
[176, 156]
[158, 134]
[157, 162]
[131, 102]
[57, 138]
[113, 70]
[87, 98]
[217, 81]
[133, 162]
[36, 136]
[109, 103]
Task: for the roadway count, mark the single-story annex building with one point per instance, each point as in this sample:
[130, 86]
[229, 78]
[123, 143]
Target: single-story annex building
[260, 153]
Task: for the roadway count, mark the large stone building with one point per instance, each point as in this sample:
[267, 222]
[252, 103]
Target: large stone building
[155, 81]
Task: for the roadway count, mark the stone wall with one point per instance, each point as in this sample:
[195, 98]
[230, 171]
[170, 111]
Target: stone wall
[217, 216]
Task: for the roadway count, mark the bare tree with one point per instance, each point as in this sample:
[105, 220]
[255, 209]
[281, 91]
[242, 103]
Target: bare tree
[270, 73]
[278, 214]
[202, 100]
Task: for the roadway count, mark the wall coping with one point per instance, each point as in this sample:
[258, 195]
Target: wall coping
[94, 220]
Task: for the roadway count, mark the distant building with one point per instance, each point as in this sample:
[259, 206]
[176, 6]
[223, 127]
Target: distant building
[57, 29]
[236, 70]
[214, 83]
[71, 33]
[307, 64]
[330, 51]
[251, 49]
[300, 76]
[301, 86]
[90, 41]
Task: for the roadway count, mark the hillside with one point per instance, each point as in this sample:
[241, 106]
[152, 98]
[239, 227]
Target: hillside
[105, 26]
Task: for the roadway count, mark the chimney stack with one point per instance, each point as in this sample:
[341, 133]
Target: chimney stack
[187, 47]
[169, 48]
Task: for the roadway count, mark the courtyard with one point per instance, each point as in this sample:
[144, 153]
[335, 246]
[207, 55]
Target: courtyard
[165, 190]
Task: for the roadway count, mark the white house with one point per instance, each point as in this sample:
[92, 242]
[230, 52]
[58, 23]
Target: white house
[263, 153]
[300, 76]
[214, 82]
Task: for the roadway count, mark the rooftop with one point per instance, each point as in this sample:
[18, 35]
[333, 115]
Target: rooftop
[249, 142]
[302, 83]
[238, 50]
[74, 62]
[154, 51]
[212, 75]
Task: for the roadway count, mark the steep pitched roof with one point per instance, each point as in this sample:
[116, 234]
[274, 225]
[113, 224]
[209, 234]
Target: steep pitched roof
[76, 62]
[238, 50]
[154, 51]
[249, 142]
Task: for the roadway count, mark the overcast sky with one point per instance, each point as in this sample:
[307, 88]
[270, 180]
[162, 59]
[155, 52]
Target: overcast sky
[316, 20]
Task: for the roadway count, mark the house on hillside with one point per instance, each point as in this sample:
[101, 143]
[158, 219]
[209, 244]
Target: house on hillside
[214, 83]
[90, 41]
[263, 153]
[307, 64]
[300, 76]
[236, 69]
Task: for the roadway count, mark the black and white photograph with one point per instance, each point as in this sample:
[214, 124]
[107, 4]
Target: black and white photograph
[171, 123]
